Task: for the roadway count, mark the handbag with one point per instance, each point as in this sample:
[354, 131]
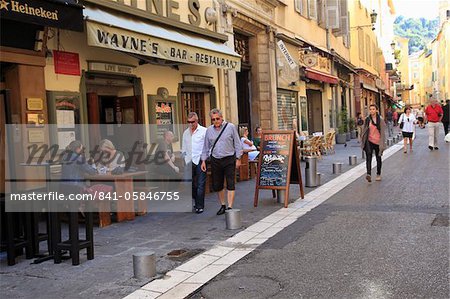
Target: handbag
[402, 123]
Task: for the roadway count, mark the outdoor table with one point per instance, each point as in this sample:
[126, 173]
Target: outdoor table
[123, 184]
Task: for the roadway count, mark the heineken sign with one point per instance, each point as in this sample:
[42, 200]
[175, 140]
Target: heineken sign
[52, 14]
[146, 45]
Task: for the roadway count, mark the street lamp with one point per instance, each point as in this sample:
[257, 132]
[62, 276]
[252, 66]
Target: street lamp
[373, 20]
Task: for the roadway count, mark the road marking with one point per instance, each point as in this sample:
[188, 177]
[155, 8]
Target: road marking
[202, 268]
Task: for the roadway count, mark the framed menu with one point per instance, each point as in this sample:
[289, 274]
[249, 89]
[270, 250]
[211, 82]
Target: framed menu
[164, 114]
[279, 164]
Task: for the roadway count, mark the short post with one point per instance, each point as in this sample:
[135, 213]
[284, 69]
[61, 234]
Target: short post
[389, 142]
[233, 219]
[352, 160]
[319, 178]
[281, 194]
[337, 167]
[363, 154]
[144, 265]
[310, 171]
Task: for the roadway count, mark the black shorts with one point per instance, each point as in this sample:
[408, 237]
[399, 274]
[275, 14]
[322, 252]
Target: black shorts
[420, 119]
[224, 168]
[407, 134]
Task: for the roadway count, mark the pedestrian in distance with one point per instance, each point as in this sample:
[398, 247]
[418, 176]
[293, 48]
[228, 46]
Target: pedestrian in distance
[395, 117]
[433, 114]
[420, 118]
[191, 149]
[223, 147]
[406, 122]
[446, 117]
[359, 125]
[257, 137]
[373, 138]
[248, 146]
[390, 121]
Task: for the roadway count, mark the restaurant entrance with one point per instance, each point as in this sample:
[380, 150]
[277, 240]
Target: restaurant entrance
[115, 103]
[314, 99]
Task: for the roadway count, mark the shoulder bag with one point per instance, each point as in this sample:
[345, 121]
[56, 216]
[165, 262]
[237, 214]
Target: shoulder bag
[217, 139]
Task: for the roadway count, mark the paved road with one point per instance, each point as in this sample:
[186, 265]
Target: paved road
[386, 239]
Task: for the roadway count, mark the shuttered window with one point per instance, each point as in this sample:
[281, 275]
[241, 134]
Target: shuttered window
[333, 14]
[361, 44]
[368, 51]
[312, 9]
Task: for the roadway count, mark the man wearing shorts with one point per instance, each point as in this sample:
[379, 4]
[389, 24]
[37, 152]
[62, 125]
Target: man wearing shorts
[225, 156]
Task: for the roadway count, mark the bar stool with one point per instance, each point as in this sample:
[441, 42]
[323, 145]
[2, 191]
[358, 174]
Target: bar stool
[18, 236]
[73, 244]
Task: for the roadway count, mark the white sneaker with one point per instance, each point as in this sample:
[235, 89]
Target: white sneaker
[378, 178]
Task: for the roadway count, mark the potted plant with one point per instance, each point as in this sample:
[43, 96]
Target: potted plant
[341, 136]
[352, 127]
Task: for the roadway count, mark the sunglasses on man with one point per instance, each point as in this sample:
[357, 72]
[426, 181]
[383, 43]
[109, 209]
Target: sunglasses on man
[191, 121]
[215, 119]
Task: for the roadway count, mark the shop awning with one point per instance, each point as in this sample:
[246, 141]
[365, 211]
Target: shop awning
[369, 87]
[319, 76]
[52, 13]
[124, 34]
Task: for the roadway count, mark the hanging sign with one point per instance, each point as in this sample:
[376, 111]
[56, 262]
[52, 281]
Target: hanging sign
[279, 164]
[66, 63]
[286, 54]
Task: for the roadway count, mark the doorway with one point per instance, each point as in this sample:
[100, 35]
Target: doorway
[194, 102]
[315, 111]
[243, 79]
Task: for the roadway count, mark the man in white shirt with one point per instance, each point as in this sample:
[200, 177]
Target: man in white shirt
[193, 140]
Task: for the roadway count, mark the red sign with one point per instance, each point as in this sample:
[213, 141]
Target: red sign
[66, 63]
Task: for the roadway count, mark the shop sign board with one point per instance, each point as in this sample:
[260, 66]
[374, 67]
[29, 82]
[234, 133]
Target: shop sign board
[286, 54]
[279, 164]
[137, 43]
[66, 63]
[111, 68]
[46, 13]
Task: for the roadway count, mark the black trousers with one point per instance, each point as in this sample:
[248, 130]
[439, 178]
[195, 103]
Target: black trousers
[370, 147]
[446, 125]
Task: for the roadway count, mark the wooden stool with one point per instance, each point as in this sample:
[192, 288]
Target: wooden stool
[18, 236]
[74, 244]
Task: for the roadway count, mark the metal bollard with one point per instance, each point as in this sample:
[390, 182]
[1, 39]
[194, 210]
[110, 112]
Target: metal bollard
[281, 194]
[233, 219]
[352, 160]
[311, 171]
[394, 140]
[144, 265]
[319, 179]
[389, 142]
[337, 167]
[363, 154]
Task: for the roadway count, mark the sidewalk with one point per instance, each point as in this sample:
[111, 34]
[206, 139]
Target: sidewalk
[109, 275]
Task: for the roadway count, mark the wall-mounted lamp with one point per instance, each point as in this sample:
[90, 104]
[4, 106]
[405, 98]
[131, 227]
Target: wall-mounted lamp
[393, 45]
[373, 20]
[292, 84]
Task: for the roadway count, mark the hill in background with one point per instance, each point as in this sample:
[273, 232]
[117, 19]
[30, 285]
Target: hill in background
[419, 31]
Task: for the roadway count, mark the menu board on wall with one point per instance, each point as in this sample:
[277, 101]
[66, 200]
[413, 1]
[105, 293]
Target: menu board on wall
[279, 164]
[163, 113]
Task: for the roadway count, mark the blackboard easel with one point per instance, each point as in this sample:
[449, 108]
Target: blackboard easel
[279, 164]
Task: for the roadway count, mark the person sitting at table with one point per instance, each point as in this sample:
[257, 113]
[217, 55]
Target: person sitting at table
[257, 138]
[112, 159]
[164, 157]
[74, 169]
[247, 145]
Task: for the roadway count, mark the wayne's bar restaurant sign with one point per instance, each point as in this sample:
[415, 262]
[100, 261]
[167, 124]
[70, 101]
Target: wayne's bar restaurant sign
[65, 14]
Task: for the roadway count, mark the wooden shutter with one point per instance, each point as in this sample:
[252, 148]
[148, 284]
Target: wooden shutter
[343, 19]
[361, 44]
[368, 51]
[333, 17]
[312, 9]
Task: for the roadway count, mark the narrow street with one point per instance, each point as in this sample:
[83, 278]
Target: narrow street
[386, 239]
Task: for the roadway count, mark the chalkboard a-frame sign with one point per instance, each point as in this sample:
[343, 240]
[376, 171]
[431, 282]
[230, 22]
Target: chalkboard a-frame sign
[279, 164]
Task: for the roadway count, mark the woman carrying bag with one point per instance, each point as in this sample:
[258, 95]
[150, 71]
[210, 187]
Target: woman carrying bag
[407, 122]
[373, 138]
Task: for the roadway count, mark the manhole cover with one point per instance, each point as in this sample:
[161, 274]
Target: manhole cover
[440, 220]
[181, 255]
[177, 253]
[242, 287]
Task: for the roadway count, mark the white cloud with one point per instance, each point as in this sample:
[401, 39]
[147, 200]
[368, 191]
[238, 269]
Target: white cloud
[427, 9]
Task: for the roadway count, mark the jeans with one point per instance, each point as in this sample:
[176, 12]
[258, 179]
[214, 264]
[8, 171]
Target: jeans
[198, 185]
[390, 126]
[369, 150]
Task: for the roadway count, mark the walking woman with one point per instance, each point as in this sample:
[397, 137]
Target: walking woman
[409, 120]
[373, 138]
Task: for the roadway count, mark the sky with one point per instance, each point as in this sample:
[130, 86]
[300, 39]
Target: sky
[427, 9]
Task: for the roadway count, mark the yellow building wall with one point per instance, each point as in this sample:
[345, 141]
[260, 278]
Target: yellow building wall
[363, 40]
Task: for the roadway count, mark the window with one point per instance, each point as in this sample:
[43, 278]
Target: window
[194, 101]
[312, 9]
[368, 51]
[333, 14]
[300, 7]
